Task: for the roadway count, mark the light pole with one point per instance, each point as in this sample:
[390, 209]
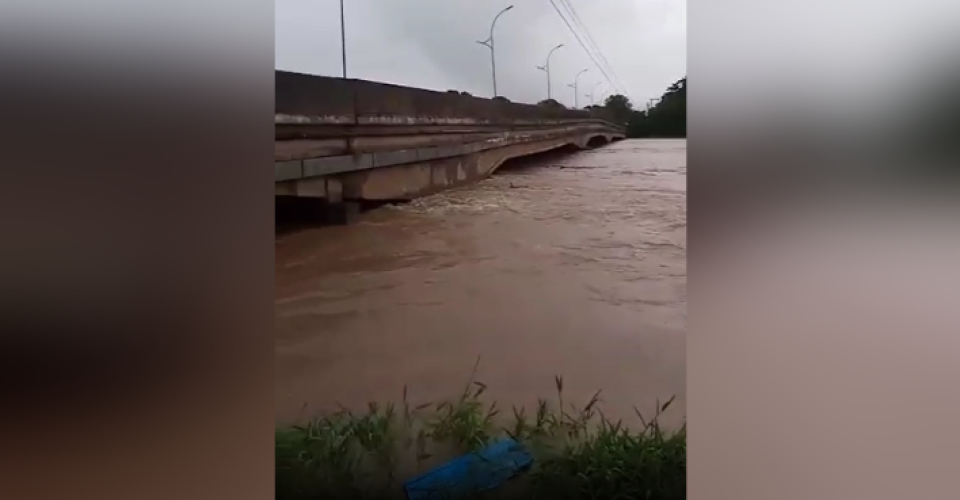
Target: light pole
[489, 43]
[546, 67]
[650, 103]
[593, 102]
[343, 40]
[576, 94]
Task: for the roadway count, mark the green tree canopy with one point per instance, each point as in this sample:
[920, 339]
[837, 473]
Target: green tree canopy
[551, 103]
[619, 108]
[668, 118]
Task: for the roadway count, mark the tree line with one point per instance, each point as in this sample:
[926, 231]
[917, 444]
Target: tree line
[666, 117]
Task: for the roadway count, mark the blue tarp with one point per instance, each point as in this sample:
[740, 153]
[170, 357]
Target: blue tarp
[482, 470]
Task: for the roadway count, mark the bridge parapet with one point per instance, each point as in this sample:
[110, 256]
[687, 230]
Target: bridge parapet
[307, 99]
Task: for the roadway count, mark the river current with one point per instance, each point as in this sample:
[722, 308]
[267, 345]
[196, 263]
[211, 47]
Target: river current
[571, 265]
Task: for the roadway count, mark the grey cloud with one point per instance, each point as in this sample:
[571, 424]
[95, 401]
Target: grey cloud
[432, 44]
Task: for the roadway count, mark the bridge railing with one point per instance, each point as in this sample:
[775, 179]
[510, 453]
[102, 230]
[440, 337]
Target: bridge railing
[344, 101]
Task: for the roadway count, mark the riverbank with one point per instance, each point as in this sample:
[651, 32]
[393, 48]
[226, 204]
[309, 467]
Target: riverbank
[578, 453]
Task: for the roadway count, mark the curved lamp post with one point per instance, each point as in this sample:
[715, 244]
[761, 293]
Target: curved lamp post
[576, 93]
[546, 67]
[489, 43]
[343, 41]
[593, 101]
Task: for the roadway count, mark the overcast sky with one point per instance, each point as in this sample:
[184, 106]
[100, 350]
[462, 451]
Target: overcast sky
[432, 44]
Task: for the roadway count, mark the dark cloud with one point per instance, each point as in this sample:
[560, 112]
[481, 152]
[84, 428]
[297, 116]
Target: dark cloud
[432, 44]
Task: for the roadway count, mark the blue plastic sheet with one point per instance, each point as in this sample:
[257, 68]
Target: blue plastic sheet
[482, 470]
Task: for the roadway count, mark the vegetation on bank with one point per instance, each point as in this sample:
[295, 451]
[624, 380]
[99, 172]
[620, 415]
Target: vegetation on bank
[665, 117]
[578, 452]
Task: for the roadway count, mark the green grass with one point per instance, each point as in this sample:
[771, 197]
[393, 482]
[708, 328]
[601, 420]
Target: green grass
[579, 453]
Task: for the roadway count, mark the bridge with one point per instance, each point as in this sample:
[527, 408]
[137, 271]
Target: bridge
[344, 141]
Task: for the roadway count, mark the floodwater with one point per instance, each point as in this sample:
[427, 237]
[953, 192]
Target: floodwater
[571, 265]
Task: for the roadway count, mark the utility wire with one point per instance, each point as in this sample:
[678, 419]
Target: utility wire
[621, 87]
[582, 45]
[589, 38]
[603, 65]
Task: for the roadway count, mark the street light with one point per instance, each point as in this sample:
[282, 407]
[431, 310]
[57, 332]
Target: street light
[576, 95]
[650, 103]
[489, 43]
[590, 94]
[343, 41]
[546, 67]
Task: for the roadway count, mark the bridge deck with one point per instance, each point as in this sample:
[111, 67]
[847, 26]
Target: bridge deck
[333, 131]
[298, 159]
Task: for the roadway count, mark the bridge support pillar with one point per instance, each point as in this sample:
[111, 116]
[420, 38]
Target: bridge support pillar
[334, 190]
[328, 188]
[344, 212]
[318, 200]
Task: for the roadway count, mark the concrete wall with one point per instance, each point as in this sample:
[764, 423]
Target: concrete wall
[336, 100]
[411, 179]
[407, 182]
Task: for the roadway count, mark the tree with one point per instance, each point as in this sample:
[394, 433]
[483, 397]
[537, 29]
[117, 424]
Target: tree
[638, 125]
[670, 114]
[551, 103]
[619, 108]
[668, 118]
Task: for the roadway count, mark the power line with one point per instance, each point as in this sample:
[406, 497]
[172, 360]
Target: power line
[620, 86]
[603, 65]
[589, 53]
[589, 38]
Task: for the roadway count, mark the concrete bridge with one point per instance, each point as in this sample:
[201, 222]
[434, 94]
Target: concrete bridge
[349, 141]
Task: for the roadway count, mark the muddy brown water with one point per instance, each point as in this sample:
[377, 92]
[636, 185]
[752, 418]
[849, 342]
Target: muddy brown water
[570, 265]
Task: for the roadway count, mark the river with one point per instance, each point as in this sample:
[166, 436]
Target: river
[571, 265]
